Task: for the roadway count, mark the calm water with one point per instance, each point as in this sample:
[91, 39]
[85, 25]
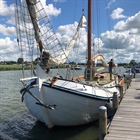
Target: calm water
[16, 123]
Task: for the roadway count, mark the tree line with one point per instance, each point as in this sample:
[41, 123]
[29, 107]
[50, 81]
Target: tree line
[20, 61]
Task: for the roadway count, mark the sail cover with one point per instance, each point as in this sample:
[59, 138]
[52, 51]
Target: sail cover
[34, 29]
[99, 57]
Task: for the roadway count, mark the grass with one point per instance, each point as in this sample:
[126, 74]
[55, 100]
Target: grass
[6, 67]
[11, 67]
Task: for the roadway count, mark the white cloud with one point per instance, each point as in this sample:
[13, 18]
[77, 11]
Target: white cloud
[7, 30]
[134, 31]
[6, 10]
[117, 14]
[8, 50]
[124, 39]
[121, 44]
[132, 22]
[113, 40]
[50, 9]
[110, 3]
[7, 13]
[59, 0]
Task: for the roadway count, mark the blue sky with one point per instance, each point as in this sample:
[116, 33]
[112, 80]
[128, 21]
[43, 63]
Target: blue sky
[116, 27]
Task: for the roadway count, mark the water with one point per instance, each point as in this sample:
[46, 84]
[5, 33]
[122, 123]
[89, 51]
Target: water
[16, 123]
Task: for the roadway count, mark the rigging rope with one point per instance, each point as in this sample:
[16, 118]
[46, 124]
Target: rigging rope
[29, 29]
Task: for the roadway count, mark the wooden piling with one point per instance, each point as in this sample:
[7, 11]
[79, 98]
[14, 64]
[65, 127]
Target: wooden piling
[125, 86]
[102, 122]
[115, 101]
[121, 92]
[125, 81]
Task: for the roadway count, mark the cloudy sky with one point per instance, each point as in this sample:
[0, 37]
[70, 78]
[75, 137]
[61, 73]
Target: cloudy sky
[116, 28]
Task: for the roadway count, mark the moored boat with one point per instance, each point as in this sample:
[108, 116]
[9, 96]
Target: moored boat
[56, 99]
[76, 67]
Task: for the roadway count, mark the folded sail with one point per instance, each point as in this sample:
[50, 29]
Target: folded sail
[63, 55]
[62, 58]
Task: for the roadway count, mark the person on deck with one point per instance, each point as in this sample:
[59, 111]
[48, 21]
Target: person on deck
[111, 65]
[133, 71]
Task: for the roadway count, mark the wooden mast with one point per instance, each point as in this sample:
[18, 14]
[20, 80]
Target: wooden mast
[89, 30]
[89, 68]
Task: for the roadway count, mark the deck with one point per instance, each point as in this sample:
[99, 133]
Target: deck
[102, 79]
[126, 122]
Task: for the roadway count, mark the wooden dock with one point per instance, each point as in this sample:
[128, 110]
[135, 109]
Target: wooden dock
[126, 122]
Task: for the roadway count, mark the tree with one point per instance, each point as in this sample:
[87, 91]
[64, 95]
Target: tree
[132, 62]
[20, 60]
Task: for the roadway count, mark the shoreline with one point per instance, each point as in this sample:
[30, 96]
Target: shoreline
[12, 67]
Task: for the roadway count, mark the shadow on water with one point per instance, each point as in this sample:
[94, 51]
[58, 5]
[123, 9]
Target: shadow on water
[25, 127]
[84, 132]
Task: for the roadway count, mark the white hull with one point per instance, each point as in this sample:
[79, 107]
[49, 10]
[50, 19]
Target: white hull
[76, 103]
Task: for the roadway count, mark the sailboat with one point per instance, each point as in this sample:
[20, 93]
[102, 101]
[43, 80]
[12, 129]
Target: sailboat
[57, 99]
[76, 67]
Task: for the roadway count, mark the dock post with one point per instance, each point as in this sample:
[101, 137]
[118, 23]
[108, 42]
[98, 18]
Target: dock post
[121, 92]
[125, 87]
[130, 79]
[102, 122]
[125, 81]
[115, 100]
[128, 83]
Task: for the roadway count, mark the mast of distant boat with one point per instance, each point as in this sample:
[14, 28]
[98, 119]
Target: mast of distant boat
[89, 68]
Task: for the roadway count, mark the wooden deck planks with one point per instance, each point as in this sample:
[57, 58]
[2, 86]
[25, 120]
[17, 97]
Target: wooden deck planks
[126, 122]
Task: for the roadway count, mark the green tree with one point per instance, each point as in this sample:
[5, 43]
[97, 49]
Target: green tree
[20, 60]
[132, 62]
